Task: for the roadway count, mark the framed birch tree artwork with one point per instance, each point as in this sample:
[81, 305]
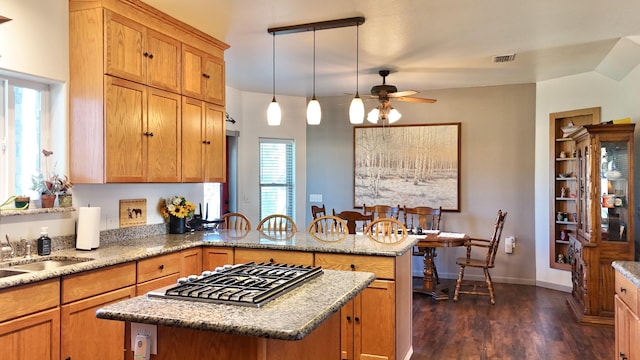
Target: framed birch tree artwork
[408, 165]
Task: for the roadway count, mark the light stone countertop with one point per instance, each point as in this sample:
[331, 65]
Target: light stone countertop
[630, 270]
[290, 316]
[119, 251]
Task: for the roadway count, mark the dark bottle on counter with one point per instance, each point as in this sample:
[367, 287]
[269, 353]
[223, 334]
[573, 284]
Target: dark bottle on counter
[44, 242]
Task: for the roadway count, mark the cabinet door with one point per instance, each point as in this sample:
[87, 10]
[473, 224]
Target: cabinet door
[191, 262]
[163, 136]
[374, 330]
[124, 48]
[86, 337]
[214, 144]
[213, 257]
[35, 336]
[163, 61]
[214, 79]
[192, 72]
[125, 124]
[346, 331]
[192, 140]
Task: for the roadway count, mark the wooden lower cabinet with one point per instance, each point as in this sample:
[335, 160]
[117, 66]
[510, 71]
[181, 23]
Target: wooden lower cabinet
[35, 336]
[243, 256]
[191, 261]
[365, 328]
[86, 337]
[627, 322]
[213, 257]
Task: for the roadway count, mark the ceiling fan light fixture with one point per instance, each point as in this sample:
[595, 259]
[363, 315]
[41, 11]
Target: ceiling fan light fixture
[394, 115]
[356, 110]
[373, 116]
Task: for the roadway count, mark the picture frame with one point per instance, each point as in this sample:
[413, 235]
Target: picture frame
[133, 212]
[407, 165]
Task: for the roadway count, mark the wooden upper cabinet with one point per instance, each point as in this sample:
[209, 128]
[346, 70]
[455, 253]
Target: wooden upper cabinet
[142, 142]
[215, 144]
[202, 75]
[139, 54]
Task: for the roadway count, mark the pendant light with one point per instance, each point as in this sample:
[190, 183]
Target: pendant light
[356, 109]
[274, 114]
[314, 114]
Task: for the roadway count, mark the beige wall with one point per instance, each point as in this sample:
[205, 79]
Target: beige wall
[497, 166]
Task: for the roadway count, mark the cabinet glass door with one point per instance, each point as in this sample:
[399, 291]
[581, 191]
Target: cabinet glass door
[614, 188]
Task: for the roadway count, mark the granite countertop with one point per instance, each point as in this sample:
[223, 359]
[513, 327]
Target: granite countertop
[132, 249]
[291, 316]
[630, 270]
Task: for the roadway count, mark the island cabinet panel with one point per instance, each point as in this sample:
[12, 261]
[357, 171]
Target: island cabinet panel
[35, 336]
[383, 267]
[213, 257]
[243, 256]
[86, 337]
[158, 266]
[133, 42]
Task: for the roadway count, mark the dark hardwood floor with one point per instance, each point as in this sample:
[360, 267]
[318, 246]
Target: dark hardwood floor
[527, 322]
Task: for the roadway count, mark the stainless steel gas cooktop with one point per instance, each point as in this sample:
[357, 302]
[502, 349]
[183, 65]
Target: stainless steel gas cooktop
[244, 284]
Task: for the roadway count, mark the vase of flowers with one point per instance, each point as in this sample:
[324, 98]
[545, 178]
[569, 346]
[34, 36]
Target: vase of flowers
[177, 209]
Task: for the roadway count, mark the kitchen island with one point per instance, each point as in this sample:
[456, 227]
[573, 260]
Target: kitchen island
[306, 314]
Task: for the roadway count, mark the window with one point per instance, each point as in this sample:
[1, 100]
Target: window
[24, 132]
[276, 177]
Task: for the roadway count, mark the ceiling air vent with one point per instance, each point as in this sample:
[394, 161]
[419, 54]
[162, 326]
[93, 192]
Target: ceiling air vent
[503, 58]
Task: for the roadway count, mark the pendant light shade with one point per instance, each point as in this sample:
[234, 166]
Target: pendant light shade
[314, 114]
[373, 116]
[356, 109]
[274, 114]
[394, 115]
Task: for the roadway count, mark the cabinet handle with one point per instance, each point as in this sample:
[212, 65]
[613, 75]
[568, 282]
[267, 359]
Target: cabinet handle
[348, 318]
[145, 54]
[150, 56]
[161, 266]
[147, 133]
[352, 266]
[623, 290]
[207, 142]
[357, 319]
[206, 76]
[271, 261]
[623, 356]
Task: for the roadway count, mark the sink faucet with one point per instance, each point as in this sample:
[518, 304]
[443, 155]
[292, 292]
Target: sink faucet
[8, 250]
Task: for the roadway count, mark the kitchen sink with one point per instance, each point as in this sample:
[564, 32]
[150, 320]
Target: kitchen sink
[8, 272]
[47, 264]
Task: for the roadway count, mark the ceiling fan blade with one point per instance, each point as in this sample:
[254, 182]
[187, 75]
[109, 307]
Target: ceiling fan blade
[402, 93]
[420, 100]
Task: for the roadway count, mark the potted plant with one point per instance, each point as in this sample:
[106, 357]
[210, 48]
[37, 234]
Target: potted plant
[49, 186]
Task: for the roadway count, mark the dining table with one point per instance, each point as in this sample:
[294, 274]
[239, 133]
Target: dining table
[429, 242]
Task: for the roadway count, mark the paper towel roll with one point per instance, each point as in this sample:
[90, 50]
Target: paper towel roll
[88, 228]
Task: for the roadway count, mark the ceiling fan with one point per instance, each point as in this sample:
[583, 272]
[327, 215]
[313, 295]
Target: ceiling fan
[384, 93]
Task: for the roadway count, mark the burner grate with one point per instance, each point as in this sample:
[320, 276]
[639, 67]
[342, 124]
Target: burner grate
[246, 284]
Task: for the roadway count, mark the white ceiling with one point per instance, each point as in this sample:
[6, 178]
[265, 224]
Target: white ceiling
[427, 44]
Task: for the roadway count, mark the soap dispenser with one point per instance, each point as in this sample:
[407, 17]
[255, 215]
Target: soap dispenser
[44, 242]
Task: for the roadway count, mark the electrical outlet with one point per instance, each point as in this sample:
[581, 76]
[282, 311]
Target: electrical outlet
[315, 198]
[148, 330]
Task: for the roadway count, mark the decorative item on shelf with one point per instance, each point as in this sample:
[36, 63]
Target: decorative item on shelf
[560, 259]
[563, 155]
[19, 203]
[49, 185]
[562, 192]
[569, 129]
[177, 209]
[565, 175]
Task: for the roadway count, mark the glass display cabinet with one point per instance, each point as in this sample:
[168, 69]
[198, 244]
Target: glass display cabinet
[604, 221]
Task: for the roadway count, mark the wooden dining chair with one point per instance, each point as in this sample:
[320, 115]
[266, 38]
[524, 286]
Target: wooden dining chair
[488, 262]
[317, 211]
[353, 218]
[277, 222]
[236, 221]
[328, 228]
[386, 230]
[380, 211]
[422, 218]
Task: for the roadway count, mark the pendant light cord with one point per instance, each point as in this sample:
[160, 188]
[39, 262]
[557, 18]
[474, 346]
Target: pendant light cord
[314, 63]
[357, 57]
[274, 65]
